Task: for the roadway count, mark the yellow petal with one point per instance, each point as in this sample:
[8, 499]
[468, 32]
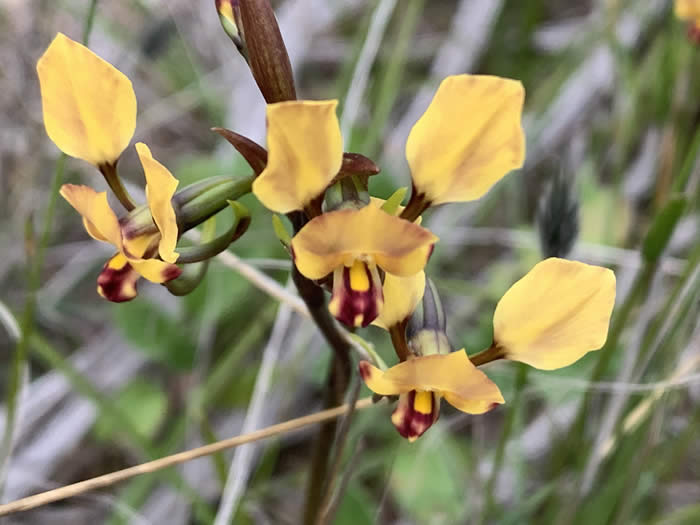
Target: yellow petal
[453, 375]
[332, 239]
[155, 270]
[401, 296]
[134, 248]
[89, 106]
[160, 188]
[305, 152]
[687, 9]
[99, 219]
[555, 314]
[117, 281]
[468, 139]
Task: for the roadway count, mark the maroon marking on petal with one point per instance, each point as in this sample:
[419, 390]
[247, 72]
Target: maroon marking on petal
[355, 303]
[430, 252]
[113, 283]
[172, 272]
[413, 424]
[694, 33]
[365, 371]
[492, 406]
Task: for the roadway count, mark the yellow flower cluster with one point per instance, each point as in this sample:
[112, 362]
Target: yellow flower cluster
[371, 254]
[89, 111]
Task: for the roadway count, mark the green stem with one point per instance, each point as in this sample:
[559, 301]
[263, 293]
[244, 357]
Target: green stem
[492, 353]
[109, 172]
[520, 381]
[34, 277]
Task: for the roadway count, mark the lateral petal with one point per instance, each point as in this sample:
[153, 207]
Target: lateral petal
[555, 314]
[468, 139]
[401, 296]
[452, 375]
[89, 106]
[160, 188]
[305, 152]
[98, 218]
[155, 270]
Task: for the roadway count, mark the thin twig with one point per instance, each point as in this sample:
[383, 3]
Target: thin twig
[168, 461]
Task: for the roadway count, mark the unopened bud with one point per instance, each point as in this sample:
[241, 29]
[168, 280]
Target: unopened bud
[201, 200]
[557, 217]
[426, 329]
[229, 15]
[267, 54]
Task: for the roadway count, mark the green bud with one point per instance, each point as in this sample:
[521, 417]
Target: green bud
[426, 328]
[201, 200]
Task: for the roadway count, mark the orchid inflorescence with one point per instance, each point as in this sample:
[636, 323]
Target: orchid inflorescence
[370, 254]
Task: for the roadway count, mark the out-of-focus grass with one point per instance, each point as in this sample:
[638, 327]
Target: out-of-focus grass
[630, 141]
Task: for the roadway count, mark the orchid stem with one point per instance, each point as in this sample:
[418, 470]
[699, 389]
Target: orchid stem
[488, 355]
[109, 172]
[336, 385]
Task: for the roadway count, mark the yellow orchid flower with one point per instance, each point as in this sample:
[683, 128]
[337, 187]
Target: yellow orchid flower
[468, 139]
[354, 244]
[556, 314]
[89, 106]
[138, 241]
[305, 152]
[688, 10]
[420, 382]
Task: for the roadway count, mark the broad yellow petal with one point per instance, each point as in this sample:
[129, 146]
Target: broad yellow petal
[453, 375]
[335, 238]
[160, 188]
[99, 219]
[401, 296]
[687, 9]
[555, 314]
[468, 139]
[155, 270]
[89, 106]
[305, 153]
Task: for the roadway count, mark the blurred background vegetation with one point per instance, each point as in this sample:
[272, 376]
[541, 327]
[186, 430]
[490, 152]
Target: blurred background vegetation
[612, 116]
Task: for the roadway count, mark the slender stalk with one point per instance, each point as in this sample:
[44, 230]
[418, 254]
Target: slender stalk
[109, 172]
[107, 480]
[492, 353]
[34, 280]
[514, 407]
[336, 385]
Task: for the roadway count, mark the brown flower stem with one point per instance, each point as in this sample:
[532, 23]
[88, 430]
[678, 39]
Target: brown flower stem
[109, 172]
[417, 205]
[398, 339]
[336, 385]
[492, 353]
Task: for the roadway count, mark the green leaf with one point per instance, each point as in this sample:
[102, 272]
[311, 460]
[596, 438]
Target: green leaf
[281, 231]
[158, 335]
[143, 403]
[356, 508]
[661, 229]
[428, 478]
